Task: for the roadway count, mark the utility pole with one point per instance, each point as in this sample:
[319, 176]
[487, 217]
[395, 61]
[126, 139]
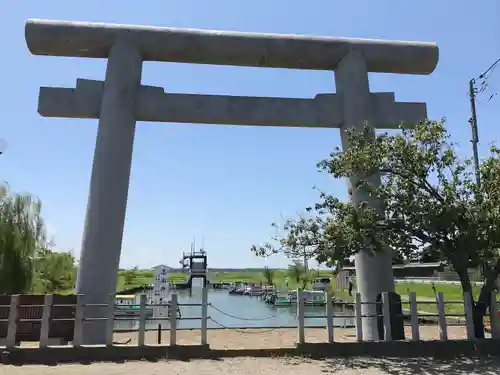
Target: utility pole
[473, 120]
[475, 141]
[475, 134]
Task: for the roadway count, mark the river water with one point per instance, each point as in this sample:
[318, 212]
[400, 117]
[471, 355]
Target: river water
[236, 311]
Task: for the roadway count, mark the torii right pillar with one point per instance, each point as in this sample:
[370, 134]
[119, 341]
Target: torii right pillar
[359, 109]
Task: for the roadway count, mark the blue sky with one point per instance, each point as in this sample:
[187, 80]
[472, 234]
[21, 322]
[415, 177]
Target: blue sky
[225, 183]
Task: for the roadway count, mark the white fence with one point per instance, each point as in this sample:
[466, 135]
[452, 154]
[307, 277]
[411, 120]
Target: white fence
[414, 316]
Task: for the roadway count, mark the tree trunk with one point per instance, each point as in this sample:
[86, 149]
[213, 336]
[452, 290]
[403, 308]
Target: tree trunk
[481, 307]
[478, 313]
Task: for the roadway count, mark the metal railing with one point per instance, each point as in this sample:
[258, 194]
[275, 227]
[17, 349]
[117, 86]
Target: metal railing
[79, 318]
[384, 313]
[414, 315]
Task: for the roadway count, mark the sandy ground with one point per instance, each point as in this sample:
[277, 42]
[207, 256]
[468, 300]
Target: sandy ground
[272, 338]
[265, 338]
[278, 366]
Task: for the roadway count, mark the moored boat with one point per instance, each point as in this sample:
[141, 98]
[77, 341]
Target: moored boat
[311, 298]
[254, 291]
[322, 283]
[129, 305]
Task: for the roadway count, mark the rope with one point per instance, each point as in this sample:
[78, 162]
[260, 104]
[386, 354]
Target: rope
[246, 330]
[124, 342]
[240, 318]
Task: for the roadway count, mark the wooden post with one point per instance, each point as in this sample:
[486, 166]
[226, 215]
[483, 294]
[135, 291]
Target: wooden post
[142, 321]
[45, 326]
[173, 320]
[495, 329]
[204, 315]
[329, 316]
[158, 335]
[110, 319]
[300, 318]
[443, 332]
[77, 330]
[357, 309]
[415, 331]
[469, 316]
[386, 316]
[12, 328]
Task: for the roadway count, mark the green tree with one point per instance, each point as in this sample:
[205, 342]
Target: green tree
[54, 271]
[268, 275]
[22, 234]
[299, 245]
[430, 200]
[128, 276]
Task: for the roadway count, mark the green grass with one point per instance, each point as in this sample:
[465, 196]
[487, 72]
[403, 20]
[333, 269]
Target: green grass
[425, 293]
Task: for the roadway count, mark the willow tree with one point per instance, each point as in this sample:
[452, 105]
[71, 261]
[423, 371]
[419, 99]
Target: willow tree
[22, 235]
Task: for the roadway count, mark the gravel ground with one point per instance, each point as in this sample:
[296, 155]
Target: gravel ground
[261, 338]
[278, 366]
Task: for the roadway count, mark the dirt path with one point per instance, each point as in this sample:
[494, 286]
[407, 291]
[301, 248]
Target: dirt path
[278, 366]
[274, 338]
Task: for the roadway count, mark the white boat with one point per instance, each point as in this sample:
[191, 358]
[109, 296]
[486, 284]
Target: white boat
[311, 298]
[254, 291]
[129, 305]
[322, 283]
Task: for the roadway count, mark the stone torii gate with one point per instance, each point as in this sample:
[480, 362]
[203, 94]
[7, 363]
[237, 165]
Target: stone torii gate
[121, 100]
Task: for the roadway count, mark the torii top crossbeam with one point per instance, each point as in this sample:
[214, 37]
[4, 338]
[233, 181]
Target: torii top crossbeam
[95, 40]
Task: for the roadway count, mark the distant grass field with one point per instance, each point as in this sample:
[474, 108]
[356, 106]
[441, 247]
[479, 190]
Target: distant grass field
[240, 276]
[425, 293]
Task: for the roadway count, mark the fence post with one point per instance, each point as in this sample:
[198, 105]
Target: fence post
[329, 315]
[45, 326]
[204, 315]
[359, 326]
[300, 318]
[110, 319]
[415, 331]
[386, 314]
[443, 332]
[494, 317]
[173, 319]
[142, 320]
[469, 317]
[13, 314]
[77, 329]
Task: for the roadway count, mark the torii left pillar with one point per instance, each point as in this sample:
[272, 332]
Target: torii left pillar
[107, 202]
